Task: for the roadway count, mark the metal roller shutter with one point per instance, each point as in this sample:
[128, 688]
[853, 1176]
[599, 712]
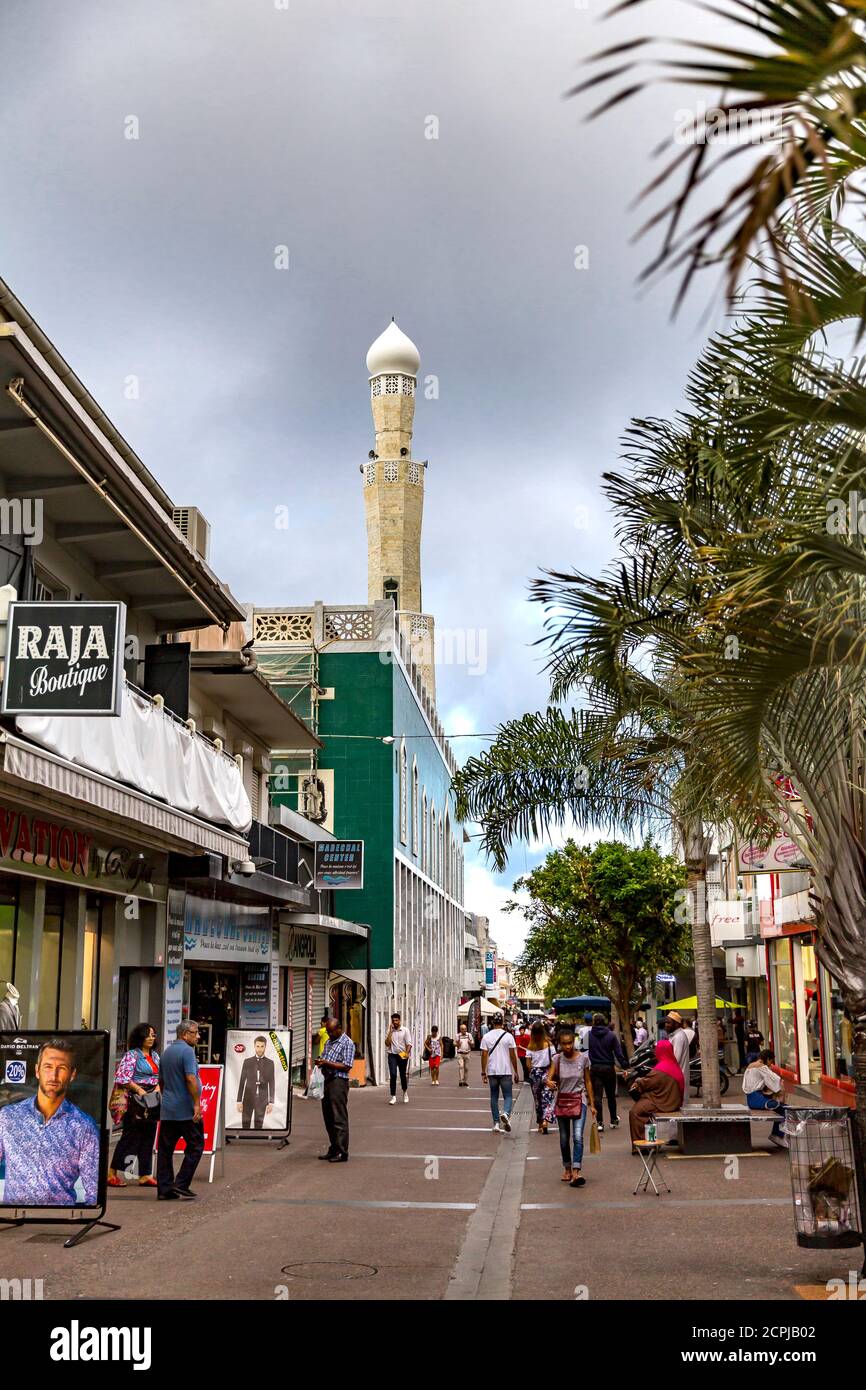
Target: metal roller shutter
[320, 995]
[299, 1018]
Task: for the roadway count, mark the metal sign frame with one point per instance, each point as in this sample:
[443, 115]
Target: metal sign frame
[16, 611]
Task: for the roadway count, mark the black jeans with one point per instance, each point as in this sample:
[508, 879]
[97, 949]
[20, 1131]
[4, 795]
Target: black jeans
[192, 1133]
[136, 1141]
[396, 1064]
[335, 1113]
[604, 1079]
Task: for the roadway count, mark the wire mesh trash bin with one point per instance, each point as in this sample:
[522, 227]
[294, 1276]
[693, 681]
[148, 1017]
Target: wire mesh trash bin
[824, 1177]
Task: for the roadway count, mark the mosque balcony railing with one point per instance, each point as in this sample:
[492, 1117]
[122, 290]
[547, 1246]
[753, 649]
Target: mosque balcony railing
[321, 626]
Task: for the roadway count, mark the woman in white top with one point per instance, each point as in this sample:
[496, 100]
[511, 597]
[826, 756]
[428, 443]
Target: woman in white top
[762, 1088]
[540, 1054]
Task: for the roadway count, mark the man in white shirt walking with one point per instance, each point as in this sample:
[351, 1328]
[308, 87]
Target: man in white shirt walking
[499, 1070]
[463, 1047]
[398, 1044]
[679, 1041]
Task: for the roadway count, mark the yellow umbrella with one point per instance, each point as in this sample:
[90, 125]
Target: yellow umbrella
[691, 1004]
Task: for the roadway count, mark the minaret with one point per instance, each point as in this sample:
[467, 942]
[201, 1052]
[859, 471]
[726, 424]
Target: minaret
[394, 493]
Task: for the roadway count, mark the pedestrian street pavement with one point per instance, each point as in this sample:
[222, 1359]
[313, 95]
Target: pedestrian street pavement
[434, 1205]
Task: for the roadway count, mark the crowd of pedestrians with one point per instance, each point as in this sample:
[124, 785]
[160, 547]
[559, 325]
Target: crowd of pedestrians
[572, 1073]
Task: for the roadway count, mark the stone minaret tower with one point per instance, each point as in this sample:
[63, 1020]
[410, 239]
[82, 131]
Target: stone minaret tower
[394, 493]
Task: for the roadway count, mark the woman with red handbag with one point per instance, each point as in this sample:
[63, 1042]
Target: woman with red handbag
[569, 1074]
[135, 1102]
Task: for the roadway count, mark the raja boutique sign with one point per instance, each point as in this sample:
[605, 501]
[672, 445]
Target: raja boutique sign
[49, 849]
[230, 931]
[64, 658]
[339, 864]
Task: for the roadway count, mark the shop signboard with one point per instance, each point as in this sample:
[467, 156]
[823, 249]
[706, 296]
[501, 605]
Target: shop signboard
[214, 929]
[339, 864]
[744, 962]
[174, 937]
[43, 847]
[211, 1078]
[782, 854]
[301, 946]
[46, 1076]
[258, 1082]
[489, 968]
[64, 659]
[255, 996]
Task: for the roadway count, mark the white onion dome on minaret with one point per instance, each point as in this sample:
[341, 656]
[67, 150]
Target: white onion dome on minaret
[393, 352]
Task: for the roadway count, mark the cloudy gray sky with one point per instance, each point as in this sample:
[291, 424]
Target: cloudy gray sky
[306, 126]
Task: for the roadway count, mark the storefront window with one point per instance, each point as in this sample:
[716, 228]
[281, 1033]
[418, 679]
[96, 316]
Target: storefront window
[784, 1021]
[49, 965]
[90, 971]
[838, 1033]
[813, 1011]
[8, 920]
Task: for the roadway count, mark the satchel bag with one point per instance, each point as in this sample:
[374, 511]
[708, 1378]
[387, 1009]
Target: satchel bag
[149, 1104]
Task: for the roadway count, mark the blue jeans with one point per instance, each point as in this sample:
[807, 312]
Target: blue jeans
[506, 1083]
[571, 1134]
[758, 1101]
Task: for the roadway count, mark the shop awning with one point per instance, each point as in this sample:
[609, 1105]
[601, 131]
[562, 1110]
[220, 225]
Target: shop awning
[36, 775]
[488, 1008]
[319, 921]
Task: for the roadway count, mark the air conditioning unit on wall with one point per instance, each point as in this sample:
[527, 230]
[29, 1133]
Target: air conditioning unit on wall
[191, 524]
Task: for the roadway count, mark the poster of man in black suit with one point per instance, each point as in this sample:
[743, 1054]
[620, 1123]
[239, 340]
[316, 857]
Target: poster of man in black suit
[255, 1098]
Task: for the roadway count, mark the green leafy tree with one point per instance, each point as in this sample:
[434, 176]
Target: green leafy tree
[605, 917]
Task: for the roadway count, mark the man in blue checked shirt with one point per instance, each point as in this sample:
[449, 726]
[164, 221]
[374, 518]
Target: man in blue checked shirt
[48, 1145]
[336, 1061]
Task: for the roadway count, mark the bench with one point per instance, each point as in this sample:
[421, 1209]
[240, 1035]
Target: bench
[725, 1129]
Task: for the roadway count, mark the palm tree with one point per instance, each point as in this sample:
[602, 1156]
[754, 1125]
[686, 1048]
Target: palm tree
[621, 764]
[800, 83]
[776, 681]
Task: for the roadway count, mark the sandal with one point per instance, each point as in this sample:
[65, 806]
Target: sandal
[147, 1182]
[566, 1177]
[115, 1181]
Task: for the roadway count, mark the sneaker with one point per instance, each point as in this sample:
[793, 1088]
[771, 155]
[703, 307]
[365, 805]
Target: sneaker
[506, 1123]
[497, 1128]
[405, 1097]
[600, 1129]
[393, 1100]
[614, 1124]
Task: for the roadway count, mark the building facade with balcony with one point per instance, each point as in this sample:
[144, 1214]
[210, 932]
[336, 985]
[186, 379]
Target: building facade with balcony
[143, 873]
[383, 775]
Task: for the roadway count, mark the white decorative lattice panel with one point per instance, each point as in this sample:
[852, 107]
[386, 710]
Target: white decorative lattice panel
[283, 627]
[392, 472]
[349, 624]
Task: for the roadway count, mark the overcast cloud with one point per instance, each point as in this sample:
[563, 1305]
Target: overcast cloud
[306, 127]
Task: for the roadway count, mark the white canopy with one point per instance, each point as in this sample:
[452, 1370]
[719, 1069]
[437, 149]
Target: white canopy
[488, 1007]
